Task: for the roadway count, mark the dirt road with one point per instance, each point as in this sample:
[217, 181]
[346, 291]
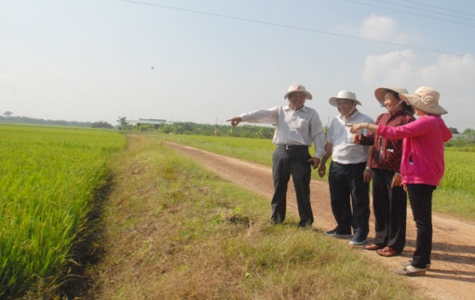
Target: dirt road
[452, 274]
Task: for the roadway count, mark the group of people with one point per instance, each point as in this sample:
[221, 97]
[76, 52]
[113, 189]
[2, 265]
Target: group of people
[401, 155]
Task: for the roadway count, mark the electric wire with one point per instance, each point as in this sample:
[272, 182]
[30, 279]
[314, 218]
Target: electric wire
[425, 10]
[291, 27]
[410, 13]
[440, 7]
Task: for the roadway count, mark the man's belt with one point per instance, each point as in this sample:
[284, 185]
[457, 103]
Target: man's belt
[293, 147]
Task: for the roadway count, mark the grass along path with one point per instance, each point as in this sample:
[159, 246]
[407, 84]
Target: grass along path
[176, 231]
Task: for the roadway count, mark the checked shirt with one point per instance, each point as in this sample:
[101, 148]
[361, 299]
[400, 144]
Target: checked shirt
[386, 154]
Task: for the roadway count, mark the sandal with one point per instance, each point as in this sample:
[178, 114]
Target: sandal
[373, 246]
[411, 271]
[387, 252]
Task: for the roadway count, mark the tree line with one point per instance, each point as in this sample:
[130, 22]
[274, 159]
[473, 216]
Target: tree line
[246, 131]
[466, 138]
[8, 118]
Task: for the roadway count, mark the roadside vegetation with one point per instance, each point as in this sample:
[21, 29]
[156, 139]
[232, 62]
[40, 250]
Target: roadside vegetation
[454, 196]
[176, 231]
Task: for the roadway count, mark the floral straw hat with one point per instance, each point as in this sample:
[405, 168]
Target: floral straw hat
[425, 98]
[298, 88]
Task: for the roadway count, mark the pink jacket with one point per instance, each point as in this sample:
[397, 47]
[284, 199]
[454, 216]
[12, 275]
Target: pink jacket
[422, 148]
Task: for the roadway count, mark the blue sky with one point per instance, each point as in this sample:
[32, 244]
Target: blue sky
[206, 61]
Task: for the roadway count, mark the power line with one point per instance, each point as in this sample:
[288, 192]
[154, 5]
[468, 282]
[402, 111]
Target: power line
[409, 13]
[440, 7]
[290, 27]
[425, 10]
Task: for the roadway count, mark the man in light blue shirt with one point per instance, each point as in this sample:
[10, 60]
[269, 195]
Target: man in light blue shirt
[297, 128]
[346, 178]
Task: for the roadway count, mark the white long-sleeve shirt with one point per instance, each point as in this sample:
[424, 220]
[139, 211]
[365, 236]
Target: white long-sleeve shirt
[300, 127]
[345, 151]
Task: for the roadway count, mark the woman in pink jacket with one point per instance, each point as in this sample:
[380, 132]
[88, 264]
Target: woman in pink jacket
[422, 166]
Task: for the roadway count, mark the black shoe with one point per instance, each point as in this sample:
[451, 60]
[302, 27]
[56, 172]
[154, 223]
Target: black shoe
[358, 241]
[330, 232]
[337, 234]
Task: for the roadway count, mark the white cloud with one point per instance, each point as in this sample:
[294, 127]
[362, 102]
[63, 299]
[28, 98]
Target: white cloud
[457, 72]
[452, 76]
[404, 67]
[379, 28]
[382, 28]
[5, 76]
[389, 69]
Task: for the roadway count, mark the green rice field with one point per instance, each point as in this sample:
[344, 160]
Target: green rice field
[48, 178]
[456, 191]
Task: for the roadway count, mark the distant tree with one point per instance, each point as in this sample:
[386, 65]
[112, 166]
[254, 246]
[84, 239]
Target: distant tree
[168, 128]
[469, 131]
[453, 130]
[7, 113]
[248, 131]
[27, 120]
[123, 122]
[101, 124]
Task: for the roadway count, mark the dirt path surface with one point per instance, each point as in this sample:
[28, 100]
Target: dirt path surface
[452, 274]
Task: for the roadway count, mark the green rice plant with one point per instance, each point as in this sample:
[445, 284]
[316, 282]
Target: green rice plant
[459, 171]
[48, 176]
[457, 188]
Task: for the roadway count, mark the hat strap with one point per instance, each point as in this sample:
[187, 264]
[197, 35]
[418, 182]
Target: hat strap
[348, 115]
[397, 105]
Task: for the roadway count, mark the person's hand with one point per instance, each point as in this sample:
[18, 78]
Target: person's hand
[397, 180]
[356, 138]
[355, 127]
[322, 170]
[367, 175]
[235, 121]
[314, 162]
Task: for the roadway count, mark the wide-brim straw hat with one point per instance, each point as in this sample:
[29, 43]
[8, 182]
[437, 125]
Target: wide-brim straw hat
[425, 98]
[379, 93]
[344, 95]
[298, 88]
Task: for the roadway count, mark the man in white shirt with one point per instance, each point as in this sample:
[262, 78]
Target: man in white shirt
[297, 128]
[346, 178]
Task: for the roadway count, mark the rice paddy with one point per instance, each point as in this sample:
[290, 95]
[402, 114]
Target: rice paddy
[48, 177]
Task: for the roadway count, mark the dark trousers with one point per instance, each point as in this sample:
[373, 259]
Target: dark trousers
[420, 197]
[390, 210]
[284, 164]
[347, 190]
